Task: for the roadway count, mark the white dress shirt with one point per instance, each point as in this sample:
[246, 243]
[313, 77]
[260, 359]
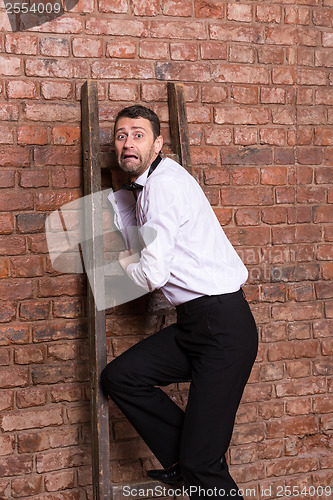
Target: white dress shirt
[190, 255]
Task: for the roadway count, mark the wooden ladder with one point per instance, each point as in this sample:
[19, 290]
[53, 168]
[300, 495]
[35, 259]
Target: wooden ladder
[99, 409]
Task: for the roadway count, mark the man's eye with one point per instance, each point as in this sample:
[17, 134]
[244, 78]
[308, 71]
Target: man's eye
[139, 135]
[120, 137]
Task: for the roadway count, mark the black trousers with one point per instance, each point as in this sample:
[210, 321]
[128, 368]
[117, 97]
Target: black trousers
[213, 344]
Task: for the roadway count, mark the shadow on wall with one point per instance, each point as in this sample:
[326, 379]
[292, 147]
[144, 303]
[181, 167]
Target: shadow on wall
[27, 14]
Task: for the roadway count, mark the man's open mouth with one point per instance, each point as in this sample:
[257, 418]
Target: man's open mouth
[130, 157]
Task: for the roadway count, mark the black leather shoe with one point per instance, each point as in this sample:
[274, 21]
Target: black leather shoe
[172, 475]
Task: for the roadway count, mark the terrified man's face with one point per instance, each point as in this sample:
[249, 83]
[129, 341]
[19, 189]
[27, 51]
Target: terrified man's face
[135, 145]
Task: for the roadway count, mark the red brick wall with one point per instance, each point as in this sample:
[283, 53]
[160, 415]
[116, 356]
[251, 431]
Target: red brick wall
[259, 86]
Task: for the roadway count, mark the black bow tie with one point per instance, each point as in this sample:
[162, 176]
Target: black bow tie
[133, 185]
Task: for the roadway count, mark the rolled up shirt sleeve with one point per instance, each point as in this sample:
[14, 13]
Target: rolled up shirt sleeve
[162, 220]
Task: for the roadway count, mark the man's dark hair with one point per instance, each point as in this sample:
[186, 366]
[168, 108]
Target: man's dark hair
[138, 111]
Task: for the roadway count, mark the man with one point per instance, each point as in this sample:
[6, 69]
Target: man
[214, 342]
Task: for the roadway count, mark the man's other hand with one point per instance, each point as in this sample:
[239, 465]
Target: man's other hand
[127, 257]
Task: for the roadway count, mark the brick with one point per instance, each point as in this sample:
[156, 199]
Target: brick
[311, 77]
[241, 54]
[31, 418]
[9, 112]
[12, 245]
[34, 310]
[33, 179]
[7, 178]
[66, 135]
[245, 136]
[244, 176]
[62, 459]
[27, 486]
[6, 223]
[311, 194]
[204, 156]
[116, 7]
[253, 196]
[273, 175]
[14, 334]
[216, 176]
[30, 223]
[27, 398]
[52, 112]
[66, 177]
[124, 69]
[323, 136]
[56, 90]
[296, 312]
[8, 311]
[57, 47]
[21, 44]
[177, 8]
[59, 481]
[324, 96]
[196, 72]
[16, 289]
[323, 17]
[57, 155]
[16, 465]
[246, 156]
[239, 12]
[272, 55]
[213, 50]
[67, 393]
[247, 217]
[153, 92]
[122, 49]
[13, 377]
[240, 74]
[230, 33]
[327, 39]
[32, 135]
[323, 214]
[269, 13]
[10, 66]
[197, 114]
[218, 136]
[272, 95]
[212, 9]
[184, 51]
[298, 368]
[273, 136]
[62, 352]
[44, 439]
[116, 27]
[283, 76]
[6, 135]
[154, 50]
[27, 266]
[239, 115]
[185, 30]
[56, 68]
[87, 47]
[59, 330]
[14, 156]
[6, 445]
[223, 215]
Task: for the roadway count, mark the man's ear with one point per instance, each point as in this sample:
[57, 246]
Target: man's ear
[158, 144]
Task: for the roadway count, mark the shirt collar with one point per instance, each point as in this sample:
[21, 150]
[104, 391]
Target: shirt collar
[143, 177]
